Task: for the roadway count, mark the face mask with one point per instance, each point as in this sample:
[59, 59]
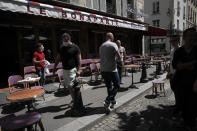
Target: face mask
[65, 43]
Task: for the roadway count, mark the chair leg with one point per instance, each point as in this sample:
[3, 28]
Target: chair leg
[41, 125]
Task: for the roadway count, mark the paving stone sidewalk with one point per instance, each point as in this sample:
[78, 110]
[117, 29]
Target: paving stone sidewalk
[145, 113]
[55, 109]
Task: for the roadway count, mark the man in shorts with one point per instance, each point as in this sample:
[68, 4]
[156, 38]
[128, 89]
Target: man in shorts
[70, 55]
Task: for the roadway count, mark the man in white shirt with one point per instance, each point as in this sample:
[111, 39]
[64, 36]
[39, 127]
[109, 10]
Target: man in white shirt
[120, 62]
[108, 53]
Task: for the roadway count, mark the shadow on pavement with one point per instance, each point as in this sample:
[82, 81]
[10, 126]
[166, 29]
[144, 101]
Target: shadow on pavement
[87, 112]
[123, 89]
[12, 108]
[151, 119]
[53, 109]
[61, 92]
[95, 83]
[151, 96]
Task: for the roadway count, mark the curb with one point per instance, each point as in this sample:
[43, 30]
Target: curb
[84, 122]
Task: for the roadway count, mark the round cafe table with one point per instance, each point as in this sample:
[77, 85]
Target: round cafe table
[23, 121]
[25, 95]
[132, 67]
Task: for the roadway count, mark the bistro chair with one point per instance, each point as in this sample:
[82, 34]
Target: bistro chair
[94, 71]
[29, 121]
[60, 77]
[158, 84]
[98, 66]
[37, 84]
[50, 75]
[29, 69]
[13, 83]
[59, 66]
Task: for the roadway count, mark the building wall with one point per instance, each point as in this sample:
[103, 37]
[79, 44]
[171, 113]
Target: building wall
[191, 13]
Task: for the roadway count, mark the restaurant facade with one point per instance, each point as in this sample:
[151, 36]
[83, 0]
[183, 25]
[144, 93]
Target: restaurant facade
[25, 23]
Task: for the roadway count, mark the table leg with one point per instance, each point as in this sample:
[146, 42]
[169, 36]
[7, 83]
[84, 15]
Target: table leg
[132, 84]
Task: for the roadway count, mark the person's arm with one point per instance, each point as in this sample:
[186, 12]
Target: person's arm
[125, 54]
[57, 60]
[118, 55]
[35, 61]
[79, 63]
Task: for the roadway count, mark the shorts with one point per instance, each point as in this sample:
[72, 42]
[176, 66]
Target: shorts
[69, 76]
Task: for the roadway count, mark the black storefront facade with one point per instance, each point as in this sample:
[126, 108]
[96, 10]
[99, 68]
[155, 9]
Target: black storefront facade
[25, 23]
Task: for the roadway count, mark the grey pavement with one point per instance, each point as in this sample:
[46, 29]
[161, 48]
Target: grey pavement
[145, 113]
[55, 109]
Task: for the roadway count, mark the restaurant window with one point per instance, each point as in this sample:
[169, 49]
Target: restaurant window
[184, 13]
[156, 23]
[111, 6]
[156, 8]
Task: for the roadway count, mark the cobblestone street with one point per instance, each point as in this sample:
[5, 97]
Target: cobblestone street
[145, 113]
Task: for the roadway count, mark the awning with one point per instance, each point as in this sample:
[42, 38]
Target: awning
[35, 8]
[156, 31]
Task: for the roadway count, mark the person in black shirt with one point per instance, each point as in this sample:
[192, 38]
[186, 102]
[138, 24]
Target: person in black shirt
[70, 55]
[185, 63]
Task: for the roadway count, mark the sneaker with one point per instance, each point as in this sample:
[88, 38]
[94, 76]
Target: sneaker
[107, 107]
[112, 105]
[71, 103]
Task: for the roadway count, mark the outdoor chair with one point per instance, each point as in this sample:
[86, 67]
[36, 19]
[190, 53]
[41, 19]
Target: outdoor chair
[49, 75]
[158, 84]
[37, 85]
[94, 71]
[98, 66]
[59, 66]
[60, 77]
[13, 83]
[29, 69]
[84, 65]
[33, 75]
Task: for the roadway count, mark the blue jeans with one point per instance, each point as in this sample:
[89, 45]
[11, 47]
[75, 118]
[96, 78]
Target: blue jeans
[109, 78]
[41, 74]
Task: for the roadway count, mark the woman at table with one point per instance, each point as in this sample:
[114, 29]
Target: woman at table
[185, 63]
[39, 61]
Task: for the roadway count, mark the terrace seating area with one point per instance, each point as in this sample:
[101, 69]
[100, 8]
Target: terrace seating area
[90, 73]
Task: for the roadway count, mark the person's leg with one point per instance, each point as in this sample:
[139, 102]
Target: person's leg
[71, 78]
[67, 84]
[116, 83]
[39, 73]
[43, 76]
[108, 83]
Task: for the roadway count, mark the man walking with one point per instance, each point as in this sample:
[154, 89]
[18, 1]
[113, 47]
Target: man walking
[120, 62]
[70, 55]
[39, 61]
[108, 53]
[174, 41]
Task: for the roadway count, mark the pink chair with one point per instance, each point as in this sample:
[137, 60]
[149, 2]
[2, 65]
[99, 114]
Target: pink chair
[60, 77]
[59, 66]
[29, 69]
[94, 71]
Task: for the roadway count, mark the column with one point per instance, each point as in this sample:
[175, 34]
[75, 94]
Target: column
[83, 42]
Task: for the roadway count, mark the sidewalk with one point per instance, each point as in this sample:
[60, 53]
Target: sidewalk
[55, 109]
